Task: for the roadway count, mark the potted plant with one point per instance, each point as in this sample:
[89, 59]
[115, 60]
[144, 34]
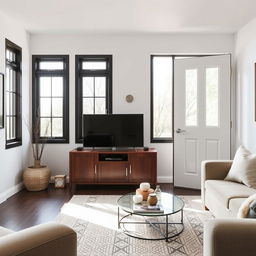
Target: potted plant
[36, 177]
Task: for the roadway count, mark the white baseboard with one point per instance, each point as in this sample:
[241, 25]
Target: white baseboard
[164, 179]
[10, 192]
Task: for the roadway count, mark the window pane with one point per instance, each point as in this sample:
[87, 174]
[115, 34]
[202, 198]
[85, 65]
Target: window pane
[45, 127]
[11, 80]
[12, 104]
[45, 86]
[57, 86]
[51, 65]
[88, 86]
[88, 106]
[7, 127]
[100, 86]
[212, 96]
[57, 127]
[45, 107]
[100, 106]
[94, 65]
[7, 79]
[162, 95]
[57, 107]
[191, 97]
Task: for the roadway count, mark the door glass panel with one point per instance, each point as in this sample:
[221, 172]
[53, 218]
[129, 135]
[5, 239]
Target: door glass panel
[100, 106]
[45, 86]
[88, 106]
[100, 86]
[57, 124]
[212, 97]
[57, 86]
[94, 65]
[191, 97]
[162, 95]
[88, 86]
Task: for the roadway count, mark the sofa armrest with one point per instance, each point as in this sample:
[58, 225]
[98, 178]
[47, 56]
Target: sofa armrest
[49, 239]
[234, 237]
[213, 170]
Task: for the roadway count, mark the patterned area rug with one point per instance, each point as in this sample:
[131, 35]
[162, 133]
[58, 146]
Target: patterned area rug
[95, 220]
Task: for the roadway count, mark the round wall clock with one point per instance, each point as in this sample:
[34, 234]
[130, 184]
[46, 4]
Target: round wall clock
[129, 98]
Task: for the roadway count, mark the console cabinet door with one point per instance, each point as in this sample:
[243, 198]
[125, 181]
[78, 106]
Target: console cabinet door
[142, 168]
[112, 172]
[82, 168]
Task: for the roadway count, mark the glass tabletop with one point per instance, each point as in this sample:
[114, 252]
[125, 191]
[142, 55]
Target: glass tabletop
[170, 204]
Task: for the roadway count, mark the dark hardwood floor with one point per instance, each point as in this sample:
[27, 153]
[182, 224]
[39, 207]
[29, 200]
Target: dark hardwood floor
[26, 209]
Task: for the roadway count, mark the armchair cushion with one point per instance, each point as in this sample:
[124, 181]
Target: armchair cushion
[243, 169]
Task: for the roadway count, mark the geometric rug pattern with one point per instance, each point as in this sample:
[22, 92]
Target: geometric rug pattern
[94, 218]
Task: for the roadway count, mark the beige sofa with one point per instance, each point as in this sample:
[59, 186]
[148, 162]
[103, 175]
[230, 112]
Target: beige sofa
[49, 239]
[226, 235]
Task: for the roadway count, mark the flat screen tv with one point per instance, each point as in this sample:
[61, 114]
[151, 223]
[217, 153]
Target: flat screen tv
[113, 130]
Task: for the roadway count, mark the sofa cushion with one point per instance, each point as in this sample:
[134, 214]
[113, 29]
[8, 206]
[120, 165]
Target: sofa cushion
[243, 168]
[234, 205]
[5, 231]
[226, 190]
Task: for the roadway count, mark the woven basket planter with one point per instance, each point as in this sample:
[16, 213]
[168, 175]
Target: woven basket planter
[36, 179]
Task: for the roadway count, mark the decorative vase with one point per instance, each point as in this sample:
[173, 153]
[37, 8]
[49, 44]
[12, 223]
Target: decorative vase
[152, 199]
[36, 178]
[144, 193]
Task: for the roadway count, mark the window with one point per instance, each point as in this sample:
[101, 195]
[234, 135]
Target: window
[93, 88]
[13, 95]
[161, 98]
[51, 97]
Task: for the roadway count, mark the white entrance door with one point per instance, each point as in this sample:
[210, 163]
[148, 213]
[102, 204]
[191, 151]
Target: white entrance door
[201, 115]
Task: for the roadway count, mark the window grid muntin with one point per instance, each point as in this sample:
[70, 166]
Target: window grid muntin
[51, 115]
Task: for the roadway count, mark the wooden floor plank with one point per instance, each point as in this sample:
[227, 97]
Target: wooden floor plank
[26, 209]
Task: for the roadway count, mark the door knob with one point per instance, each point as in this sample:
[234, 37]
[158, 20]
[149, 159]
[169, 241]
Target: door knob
[179, 130]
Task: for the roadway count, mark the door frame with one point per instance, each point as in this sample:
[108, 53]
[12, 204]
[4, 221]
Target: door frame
[173, 93]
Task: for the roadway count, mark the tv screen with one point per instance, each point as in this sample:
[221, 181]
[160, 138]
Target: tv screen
[114, 130]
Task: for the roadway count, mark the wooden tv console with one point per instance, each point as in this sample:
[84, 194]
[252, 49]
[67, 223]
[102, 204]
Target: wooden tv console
[112, 167]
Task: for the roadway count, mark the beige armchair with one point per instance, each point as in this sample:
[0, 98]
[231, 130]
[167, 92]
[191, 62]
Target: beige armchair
[49, 239]
[236, 237]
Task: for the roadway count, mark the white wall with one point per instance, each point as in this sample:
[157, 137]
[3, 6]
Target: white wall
[13, 161]
[131, 75]
[245, 54]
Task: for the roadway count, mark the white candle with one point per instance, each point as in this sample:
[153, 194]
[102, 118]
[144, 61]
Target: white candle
[137, 199]
[144, 186]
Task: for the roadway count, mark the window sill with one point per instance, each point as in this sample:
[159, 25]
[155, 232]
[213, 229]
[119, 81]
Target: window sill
[13, 144]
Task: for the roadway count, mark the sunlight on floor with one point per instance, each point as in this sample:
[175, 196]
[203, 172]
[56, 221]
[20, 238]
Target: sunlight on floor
[97, 213]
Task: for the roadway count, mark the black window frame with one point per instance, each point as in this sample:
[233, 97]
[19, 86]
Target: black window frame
[17, 66]
[36, 73]
[79, 73]
[152, 138]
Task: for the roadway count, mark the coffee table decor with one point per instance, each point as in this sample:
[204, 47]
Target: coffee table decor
[156, 223]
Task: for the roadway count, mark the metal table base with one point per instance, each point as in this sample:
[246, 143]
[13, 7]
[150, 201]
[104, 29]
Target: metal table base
[164, 235]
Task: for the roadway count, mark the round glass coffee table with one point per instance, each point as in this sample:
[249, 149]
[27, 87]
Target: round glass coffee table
[163, 225]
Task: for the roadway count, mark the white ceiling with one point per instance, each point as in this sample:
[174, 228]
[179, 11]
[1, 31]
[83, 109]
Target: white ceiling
[130, 16]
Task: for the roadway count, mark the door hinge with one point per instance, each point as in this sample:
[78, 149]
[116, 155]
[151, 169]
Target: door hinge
[231, 124]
